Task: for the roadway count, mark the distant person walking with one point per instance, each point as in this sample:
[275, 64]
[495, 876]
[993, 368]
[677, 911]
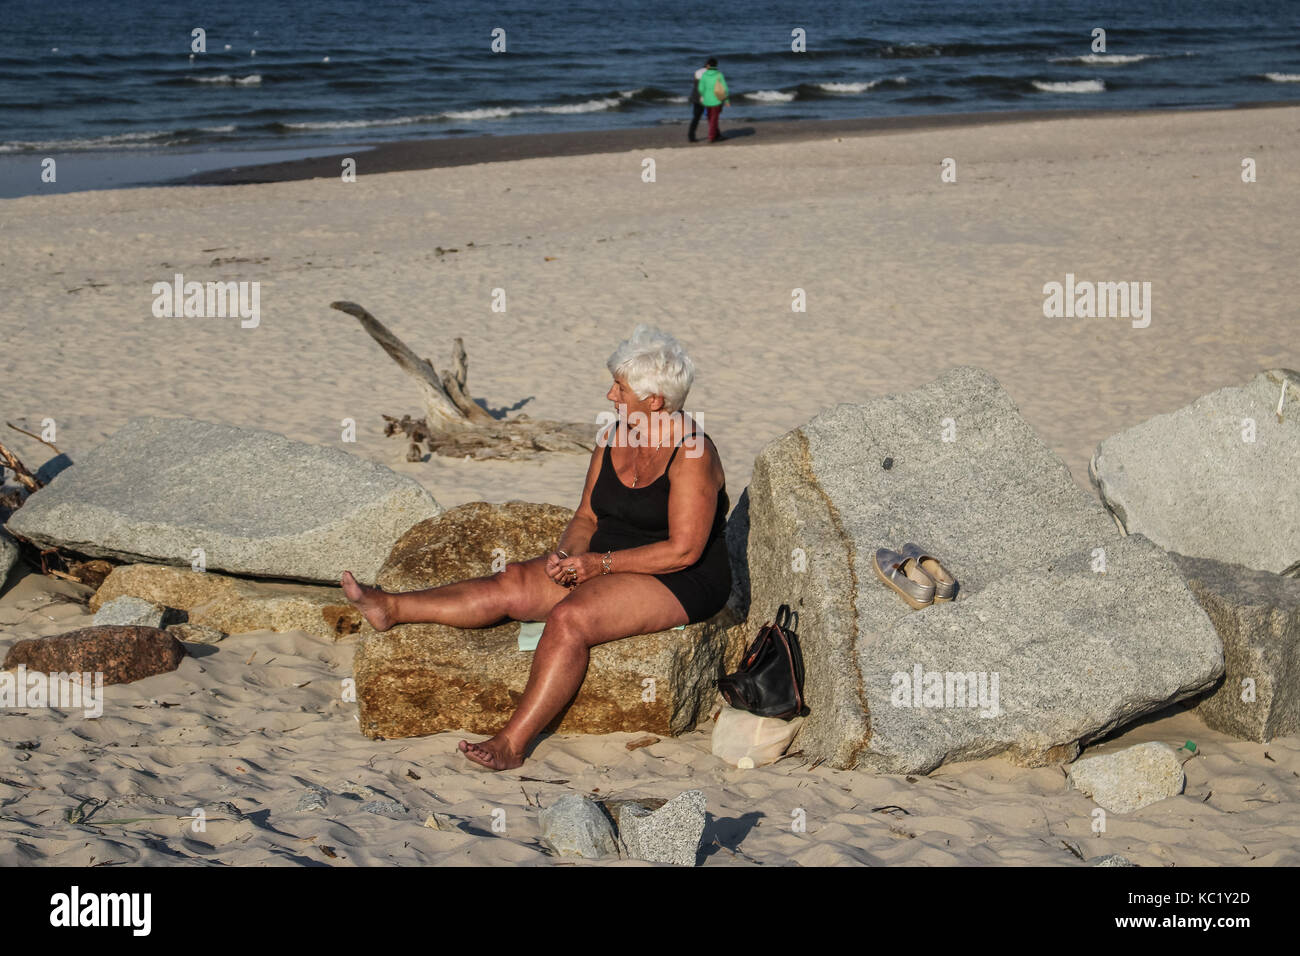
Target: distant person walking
[714, 95]
[697, 108]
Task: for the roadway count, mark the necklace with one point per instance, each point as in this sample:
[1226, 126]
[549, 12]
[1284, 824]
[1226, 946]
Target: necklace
[634, 469]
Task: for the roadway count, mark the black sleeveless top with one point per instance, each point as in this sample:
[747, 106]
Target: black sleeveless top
[630, 517]
[637, 516]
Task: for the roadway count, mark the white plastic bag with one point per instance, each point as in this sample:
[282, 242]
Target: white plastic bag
[739, 736]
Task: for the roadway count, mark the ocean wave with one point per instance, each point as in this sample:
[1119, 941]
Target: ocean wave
[1282, 77]
[860, 87]
[590, 106]
[480, 113]
[362, 124]
[1104, 59]
[142, 140]
[225, 79]
[1070, 86]
[769, 96]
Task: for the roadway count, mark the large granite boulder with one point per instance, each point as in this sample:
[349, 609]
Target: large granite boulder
[417, 679]
[1036, 663]
[121, 654]
[233, 605]
[1077, 650]
[255, 502]
[1219, 478]
[1257, 615]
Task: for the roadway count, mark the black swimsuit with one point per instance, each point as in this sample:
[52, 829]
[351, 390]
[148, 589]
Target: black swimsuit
[631, 517]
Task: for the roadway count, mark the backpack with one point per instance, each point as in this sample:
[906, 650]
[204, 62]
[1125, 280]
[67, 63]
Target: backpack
[770, 680]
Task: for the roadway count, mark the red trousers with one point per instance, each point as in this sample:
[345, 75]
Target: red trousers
[714, 113]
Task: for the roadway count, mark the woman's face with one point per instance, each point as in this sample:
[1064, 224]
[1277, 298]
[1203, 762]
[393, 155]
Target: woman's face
[621, 394]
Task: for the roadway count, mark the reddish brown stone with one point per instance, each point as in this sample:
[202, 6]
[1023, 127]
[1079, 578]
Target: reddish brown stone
[466, 541]
[418, 679]
[121, 654]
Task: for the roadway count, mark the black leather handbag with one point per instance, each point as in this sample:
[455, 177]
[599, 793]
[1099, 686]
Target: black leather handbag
[770, 680]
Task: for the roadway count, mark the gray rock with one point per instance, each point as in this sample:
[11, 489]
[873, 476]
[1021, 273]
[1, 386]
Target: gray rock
[1111, 859]
[1046, 659]
[312, 799]
[670, 834]
[1077, 652]
[8, 556]
[1191, 483]
[385, 808]
[196, 633]
[256, 502]
[127, 611]
[226, 807]
[1257, 615]
[575, 826]
[1131, 779]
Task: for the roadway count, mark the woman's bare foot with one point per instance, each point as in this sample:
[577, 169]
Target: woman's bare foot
[495, 754]
[372, 602]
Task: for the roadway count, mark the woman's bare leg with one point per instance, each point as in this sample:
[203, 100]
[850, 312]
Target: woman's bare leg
[602, 609]
[522, 591]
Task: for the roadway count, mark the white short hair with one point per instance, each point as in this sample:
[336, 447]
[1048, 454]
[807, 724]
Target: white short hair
[654, 363]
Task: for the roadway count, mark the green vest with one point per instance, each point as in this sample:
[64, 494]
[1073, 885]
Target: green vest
[709, 78]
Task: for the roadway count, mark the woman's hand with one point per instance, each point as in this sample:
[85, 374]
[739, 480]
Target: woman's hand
[573, 570]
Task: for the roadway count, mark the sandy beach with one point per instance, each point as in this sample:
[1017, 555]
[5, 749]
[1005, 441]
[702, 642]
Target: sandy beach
[905, 275]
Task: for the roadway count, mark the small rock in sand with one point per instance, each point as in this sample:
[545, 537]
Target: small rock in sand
[130, 612]
[121, 654]
[670, 834]
[196, 633]
[312, 799]
[385, 808]
[575, 826]
[1130, 779]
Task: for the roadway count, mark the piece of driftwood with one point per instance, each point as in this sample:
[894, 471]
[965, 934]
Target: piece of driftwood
[456, 426]
[12, 462]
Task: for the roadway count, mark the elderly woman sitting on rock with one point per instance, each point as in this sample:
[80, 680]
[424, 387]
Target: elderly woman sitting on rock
[645, 550]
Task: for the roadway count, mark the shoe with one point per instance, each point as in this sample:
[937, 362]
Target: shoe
[945, 585]
[901, 574]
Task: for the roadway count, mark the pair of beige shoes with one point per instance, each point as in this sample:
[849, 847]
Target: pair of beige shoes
[917, 577]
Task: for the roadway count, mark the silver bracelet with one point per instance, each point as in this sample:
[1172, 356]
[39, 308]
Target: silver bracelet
[605, 563]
